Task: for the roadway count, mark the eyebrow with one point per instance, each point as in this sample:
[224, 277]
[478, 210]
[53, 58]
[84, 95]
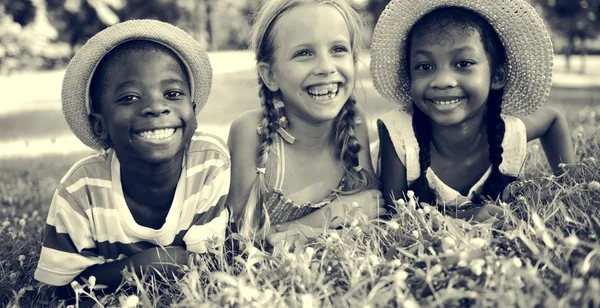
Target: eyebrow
[128, 83]
[173, 80]
[454, 51]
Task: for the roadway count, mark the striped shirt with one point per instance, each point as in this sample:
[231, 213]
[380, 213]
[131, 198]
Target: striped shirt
[89, 222]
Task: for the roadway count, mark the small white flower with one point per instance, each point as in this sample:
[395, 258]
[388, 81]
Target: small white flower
[92, 281]
[477, 243]
[577, 283]
[5, 224]
[310, 252]
[374, 260]
[426, 209]
[355, 204]
[572, 240]
[22, 222]
[393, 225]
[396, 263]
[448, 243]
[594, 186]
[410, 303]
[562, 165]
[476, 266]
[410, 194]
[421, 212]
[401, 202]
[517, 262]
[132, 301]
[354, 223]
[415, 233]
[436, 269]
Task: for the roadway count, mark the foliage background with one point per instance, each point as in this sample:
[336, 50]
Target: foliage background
[43, 34]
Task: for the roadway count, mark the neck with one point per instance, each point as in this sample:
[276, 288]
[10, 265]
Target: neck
[460, 139]
[152, 184]
[310, 135]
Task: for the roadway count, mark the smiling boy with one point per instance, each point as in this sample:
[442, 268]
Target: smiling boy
[157, 189]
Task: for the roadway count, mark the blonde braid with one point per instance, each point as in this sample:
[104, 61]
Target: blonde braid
[356, 178]
[270, 122]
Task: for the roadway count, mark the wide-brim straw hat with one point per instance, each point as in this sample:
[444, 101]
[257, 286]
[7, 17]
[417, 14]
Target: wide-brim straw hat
[76, 83]
[527, 43]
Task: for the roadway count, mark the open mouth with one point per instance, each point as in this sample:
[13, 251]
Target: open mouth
[157, 134]
[324, 91]
[447, 102]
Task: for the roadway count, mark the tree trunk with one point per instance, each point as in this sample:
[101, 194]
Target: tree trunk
[584, 52]
[569, 51]
[209, 25]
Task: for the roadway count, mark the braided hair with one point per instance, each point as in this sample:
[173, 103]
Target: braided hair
[273, 113]
[496, 182]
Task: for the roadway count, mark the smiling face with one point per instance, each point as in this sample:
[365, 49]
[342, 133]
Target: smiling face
[146, 107]
[450, 72]
[313, 66]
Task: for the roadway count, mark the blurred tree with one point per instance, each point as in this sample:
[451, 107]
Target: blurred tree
[78, 20]
[574, 20]
[22, 12]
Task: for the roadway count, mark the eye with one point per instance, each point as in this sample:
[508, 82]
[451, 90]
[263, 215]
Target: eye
[340, 49]
[173, 94]
[464, 64]
[127, 99]
[302, 53]
[424, 67]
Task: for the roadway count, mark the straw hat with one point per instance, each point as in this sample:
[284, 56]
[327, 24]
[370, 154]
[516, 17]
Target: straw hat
[528, 47]
[76, 83]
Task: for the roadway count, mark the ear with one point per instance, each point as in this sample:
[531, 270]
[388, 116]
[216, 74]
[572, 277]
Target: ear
[98, 126]
[499, 78]
[265, 71]
[194, 106]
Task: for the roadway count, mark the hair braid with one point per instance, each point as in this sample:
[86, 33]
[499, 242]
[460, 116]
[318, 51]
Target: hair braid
[348, 148]
[254, 213]
[422, 129]
[497, 181]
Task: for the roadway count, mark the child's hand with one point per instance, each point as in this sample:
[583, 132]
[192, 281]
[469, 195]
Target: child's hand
[291, 233]
[370, 202]
[486, 213]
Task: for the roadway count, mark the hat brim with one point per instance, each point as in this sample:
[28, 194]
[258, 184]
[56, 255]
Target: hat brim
[76, 83]
[527, 43]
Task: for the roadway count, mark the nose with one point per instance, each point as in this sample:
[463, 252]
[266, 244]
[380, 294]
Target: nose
[442, 79]
[324, 65]
[156, 106]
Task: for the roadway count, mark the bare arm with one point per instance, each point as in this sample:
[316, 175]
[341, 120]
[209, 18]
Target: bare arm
[393, 171]
[551, 127]
[243, 143]
[165, 260]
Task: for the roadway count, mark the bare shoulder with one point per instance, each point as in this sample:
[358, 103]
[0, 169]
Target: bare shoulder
[242, 133]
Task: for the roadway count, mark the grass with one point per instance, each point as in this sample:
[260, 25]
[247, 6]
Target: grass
[547, 254]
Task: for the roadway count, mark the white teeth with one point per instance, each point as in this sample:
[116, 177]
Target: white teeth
[157, 133]
[454, 101]
[327, 90]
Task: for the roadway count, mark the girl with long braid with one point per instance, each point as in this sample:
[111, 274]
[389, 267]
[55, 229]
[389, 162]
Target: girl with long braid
[470, 77]
[301, 161]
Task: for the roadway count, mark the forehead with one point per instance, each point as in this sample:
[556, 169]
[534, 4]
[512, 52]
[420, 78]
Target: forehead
[310, 24]
[147, 63]
[441, 36]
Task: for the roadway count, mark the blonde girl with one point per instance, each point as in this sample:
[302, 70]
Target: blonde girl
[303, 157]
[471, 78]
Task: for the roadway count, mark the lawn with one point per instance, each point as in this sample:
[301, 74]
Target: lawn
[547, 254]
